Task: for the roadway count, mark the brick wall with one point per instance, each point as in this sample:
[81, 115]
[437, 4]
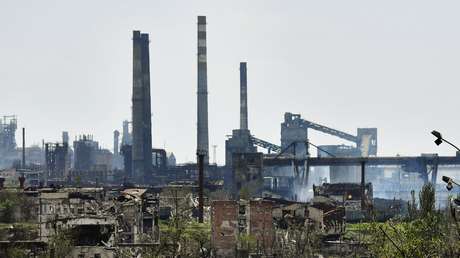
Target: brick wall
[224, 227]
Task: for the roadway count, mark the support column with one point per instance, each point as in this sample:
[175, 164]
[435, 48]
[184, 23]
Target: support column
[363, 184]
[200, 186]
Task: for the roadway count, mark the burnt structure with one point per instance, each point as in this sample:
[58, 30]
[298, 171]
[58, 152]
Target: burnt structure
[354, 197]
[127, 153]
[141, 116]
[233, 219]
[56, 160]
[85, 150]
[160, 158]
[247, 171]
[202, 93]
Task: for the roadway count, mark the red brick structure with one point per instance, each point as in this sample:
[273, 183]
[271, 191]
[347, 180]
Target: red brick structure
[224, 227]
[261, 224]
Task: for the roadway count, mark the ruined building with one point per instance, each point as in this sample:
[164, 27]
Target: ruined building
[231, 220]
[57, 161]
[141, 116]
[102, 222]
[202, 94]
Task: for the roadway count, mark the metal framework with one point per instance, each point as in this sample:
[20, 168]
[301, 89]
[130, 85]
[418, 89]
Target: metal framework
[417, 164]
[8, 127]
[329, 130]
[266, 145]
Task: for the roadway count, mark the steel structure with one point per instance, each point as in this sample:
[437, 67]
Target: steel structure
[266, 145]
[8, 127]
[294, 129]
[425, 164]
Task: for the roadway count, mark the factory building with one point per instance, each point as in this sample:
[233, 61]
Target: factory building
[85, 149]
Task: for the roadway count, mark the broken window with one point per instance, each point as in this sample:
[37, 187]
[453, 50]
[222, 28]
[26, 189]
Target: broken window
[92, 235]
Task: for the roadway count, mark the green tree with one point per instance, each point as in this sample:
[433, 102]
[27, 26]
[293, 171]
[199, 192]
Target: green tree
[430, 234]
[60, 245]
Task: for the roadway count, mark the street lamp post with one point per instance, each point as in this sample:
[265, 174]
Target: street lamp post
[450, 182]
[440, 140]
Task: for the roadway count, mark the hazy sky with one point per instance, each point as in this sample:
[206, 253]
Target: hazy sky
[66, 65]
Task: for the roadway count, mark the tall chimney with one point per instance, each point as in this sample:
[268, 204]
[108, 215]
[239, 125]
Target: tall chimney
[147, 119]
[23, 148]
[116, 140]
[243, 97]
[202, 98]
[125, 138]
[141, 116]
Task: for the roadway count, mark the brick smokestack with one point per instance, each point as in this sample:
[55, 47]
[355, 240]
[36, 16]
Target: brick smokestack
[142, 123]
[243, 97]
[202, 98]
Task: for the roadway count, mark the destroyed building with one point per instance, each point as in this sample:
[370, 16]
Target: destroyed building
[138, 217]
[350, 195]
[232, 219]
[100, 224]
[247, 174]
[57, 161]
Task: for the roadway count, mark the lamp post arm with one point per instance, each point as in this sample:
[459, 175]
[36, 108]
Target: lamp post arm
[451, 144]
[455, 183]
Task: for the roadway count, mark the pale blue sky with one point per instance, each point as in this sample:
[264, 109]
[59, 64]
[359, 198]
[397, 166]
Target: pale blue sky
[66, 65]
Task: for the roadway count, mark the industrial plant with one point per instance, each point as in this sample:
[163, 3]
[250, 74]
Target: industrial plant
[271, 198]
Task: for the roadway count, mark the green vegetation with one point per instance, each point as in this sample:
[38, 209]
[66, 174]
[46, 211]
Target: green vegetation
[60, 244]
[424, 233]
[14, 207]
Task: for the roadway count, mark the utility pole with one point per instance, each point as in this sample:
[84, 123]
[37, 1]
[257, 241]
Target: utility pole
[363, 184]
[23, 148]
[200, 185]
